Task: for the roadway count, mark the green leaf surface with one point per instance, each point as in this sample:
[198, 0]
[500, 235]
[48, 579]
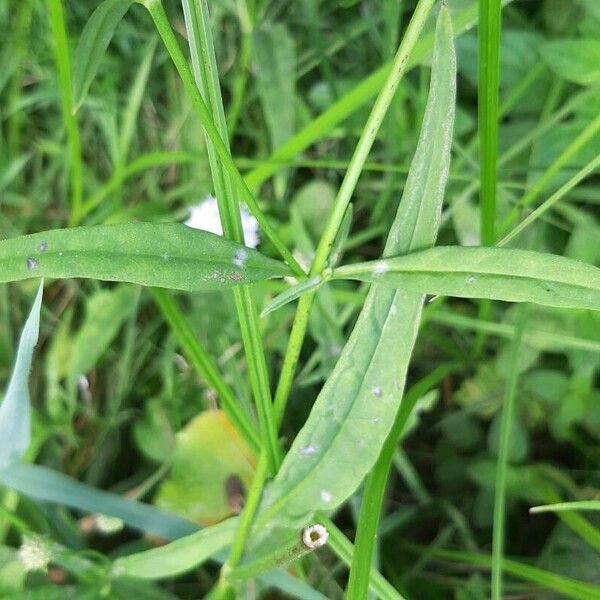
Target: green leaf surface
[179, 556]
[94, 40]
[212, 467]
[165, 255]
[574, 60]
[15, 417]
[46, 485]
[355, 410]
[497, 273]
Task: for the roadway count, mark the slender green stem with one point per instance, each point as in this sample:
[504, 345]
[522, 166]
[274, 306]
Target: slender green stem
[584, 172]
[489, 78]
[207, 82]
[343, 548]
[205, 365]
[157, 12]
[503, 453]
[372, 500]
[63, 64]
[343, 197]
[247, 516]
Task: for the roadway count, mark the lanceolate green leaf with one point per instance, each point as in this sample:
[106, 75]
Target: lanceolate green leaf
[15, 426]
[355, 410]
[496, 273]
[94, 40]
[179, 556]
[162, 255]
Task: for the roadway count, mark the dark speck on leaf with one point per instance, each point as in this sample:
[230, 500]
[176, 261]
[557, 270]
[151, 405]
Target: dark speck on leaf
[235, 493]
[32, 264]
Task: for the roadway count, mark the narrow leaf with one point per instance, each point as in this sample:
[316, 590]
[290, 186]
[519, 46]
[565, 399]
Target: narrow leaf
[292, 293]
[15, 425]
[94, 40]
[354, 412]
[46, 485]
[179, 556]
[163, 255]
[562, 506]
[497, 273]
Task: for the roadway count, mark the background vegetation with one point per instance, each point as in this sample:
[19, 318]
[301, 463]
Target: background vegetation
[123, 384]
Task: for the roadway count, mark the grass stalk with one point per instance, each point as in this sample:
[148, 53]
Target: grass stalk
[372, 500]
[63, 65]
[206, 77]
[508, 411]
[205, 366]
[488, 88]
[363, 147]
[157, 12]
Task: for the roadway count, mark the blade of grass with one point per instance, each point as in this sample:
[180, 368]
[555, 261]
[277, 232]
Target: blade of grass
[206, 79]
[562, 506]
[15, 410]
[206, 76]
[344, 550]
[63, 64]
[584, 172]
[508, 410]
[569, 588]
[488, 90]
[157, 12]
[205, 365]
[372, 499]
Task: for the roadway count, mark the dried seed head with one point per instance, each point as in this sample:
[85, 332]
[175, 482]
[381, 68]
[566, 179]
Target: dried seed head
[314, 536]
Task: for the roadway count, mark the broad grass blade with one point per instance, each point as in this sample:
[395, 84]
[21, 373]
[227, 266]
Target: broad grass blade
[94, 40]
[163, 255]
[15, 417]
[497, 273]
[354, 412]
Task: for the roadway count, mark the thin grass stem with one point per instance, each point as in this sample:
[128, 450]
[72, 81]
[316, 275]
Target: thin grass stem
[63, 65]
[504, 447]
[365, 142]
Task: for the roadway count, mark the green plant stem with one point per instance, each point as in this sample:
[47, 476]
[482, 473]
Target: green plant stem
[488, 88]
[157, 12]
[247, 516]
[508, 411]
[205, 365]
[343, 548]
[372, 500]
[584, 172]
[63, 64]
[206, 78]
[363, 147]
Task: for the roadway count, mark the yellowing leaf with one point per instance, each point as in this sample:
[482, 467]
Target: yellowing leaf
[212, 468]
